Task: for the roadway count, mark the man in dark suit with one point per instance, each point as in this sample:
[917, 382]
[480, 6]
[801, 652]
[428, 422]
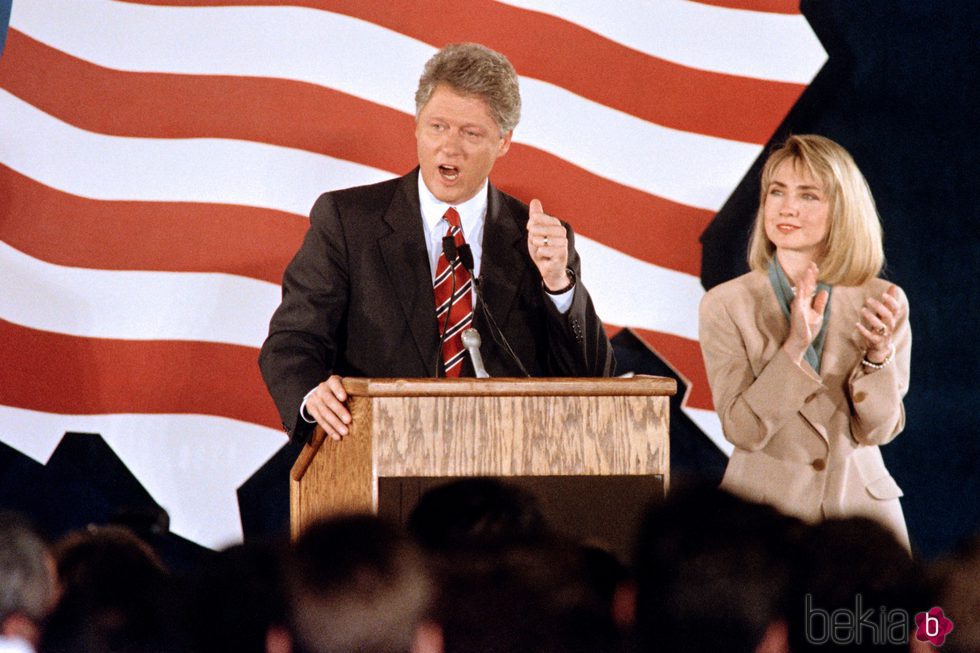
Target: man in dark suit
[359, 296]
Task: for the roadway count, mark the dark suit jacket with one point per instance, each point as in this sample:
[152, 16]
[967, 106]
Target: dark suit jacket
[358, 301]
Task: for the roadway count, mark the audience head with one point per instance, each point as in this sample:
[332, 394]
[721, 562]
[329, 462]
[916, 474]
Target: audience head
[116, 596]
[854, 250]
[857, 589]
[27, 579]
[476, 513]
[506, 582]
[235, 601]
[522, 598]
[357, 583]
[712, 574]
[958, 593]
[957, 578]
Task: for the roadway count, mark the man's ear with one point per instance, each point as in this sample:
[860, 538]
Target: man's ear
[624, 605]
[277, 640]
[20, 626]
[917, 646]
[428, 638]
[775, 639]
[504, 144]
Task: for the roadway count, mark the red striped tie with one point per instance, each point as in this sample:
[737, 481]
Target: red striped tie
[459, 305]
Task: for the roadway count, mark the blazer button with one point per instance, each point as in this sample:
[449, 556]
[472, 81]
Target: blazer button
[859, 397]
[820, 464]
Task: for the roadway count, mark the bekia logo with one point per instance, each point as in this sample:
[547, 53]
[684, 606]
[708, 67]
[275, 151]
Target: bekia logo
[932, 626]
[864, 624]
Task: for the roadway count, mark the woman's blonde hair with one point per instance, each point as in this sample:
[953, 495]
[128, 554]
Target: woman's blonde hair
[853, 251]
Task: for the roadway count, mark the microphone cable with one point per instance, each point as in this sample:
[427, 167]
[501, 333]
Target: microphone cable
[466, 258]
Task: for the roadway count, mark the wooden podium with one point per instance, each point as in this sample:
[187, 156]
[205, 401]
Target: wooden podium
[482, 427]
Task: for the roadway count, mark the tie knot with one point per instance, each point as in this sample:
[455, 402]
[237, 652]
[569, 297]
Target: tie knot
[452, 217]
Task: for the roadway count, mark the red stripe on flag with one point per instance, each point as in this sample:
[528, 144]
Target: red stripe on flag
[56, 373]
[64, 229]
[302, 116]
[278, 112]
[669, 94]
[685, 357]
[644, 226]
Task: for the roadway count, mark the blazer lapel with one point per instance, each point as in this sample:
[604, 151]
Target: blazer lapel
[837, 350]
[407, 263]
[815, 412]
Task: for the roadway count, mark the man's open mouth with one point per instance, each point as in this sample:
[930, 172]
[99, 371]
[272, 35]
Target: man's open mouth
[449, 173]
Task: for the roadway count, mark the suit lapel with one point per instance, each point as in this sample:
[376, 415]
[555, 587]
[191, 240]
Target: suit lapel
[503, 266]
[843, 339]
[815, 412]
[407, 264]
[838, 351]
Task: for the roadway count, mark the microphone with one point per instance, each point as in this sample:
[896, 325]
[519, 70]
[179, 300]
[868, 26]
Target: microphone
[450, 251]
[472, 342]
[466, 258]
[452, 255]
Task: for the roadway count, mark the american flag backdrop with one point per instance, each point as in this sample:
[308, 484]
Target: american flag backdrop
[158, 159]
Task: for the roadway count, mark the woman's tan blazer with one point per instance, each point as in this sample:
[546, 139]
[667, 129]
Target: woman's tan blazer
[804, 443]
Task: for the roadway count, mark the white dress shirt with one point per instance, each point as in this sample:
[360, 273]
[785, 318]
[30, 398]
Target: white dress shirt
[472, 218]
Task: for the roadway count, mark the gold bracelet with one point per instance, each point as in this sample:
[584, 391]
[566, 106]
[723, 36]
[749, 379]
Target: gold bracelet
[884, 363]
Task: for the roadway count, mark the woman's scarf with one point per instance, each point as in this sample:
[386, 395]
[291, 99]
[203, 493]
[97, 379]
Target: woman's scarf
[784, 295]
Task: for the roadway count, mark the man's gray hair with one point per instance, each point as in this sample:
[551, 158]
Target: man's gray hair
[474, 69]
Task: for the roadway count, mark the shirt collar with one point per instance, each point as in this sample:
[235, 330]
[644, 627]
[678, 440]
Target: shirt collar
[471, 212]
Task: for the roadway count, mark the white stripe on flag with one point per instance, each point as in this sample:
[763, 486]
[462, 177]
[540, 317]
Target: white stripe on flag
[696, 35]
[135, 305]
[212, 170]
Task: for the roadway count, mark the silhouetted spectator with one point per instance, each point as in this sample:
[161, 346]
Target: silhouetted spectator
[117, 596]
[235, 599]
[531, 598]
[506, 582]
[712, 574]
[27, 584]
[958, 580]
[476, 512]
[358, 584]
[857, 589]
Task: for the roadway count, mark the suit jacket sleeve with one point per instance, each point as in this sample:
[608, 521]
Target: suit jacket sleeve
[578, 342]
[301, 349]
[752, 404]
[878, 414]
